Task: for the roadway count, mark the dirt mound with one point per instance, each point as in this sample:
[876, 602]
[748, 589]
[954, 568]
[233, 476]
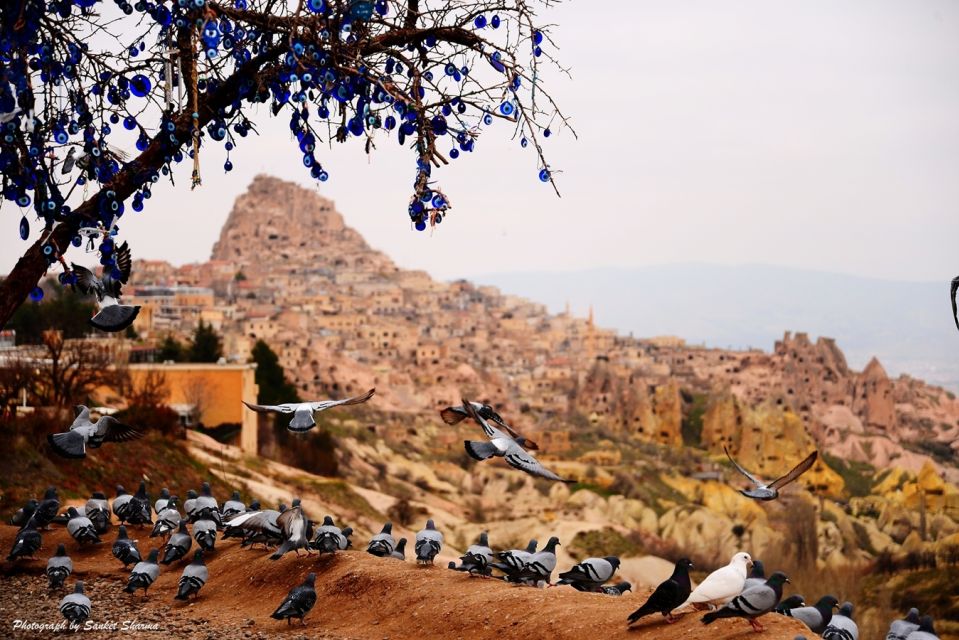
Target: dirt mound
[359, 596]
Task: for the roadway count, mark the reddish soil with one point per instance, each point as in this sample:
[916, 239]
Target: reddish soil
[359, 596]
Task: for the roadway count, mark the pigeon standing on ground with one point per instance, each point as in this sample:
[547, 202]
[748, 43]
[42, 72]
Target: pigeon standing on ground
[770, 491]
[817, 617]
[24, 513]
[429, 541]
[83, 433]
[303, 411]
[189, 506]
[293, 524]
[477, 558]
[194, 577]
[124, 549]
[670, 594]
[144, 574]
[178, 545]
[926, 630]
[538, 568]
[455, 415]
[754, 602]
[792, 602]
[383, 543]
[204, 532]
[233, 507]
[48, 509]
[59, 566]
[206, 506]
[723, 584]
[617, 589]
[162, 501]
[121, 504]
[141, 511]
[97, 509]
[900, 629]
[75, 606]
[81, 528]
[590, 574]
[512, 562]
[506, 447]
[298, 602]
[112, 316]
[328, 536]
[168, 519]
[399, 553]
[27, 542]
[757, 576]
[842, 626]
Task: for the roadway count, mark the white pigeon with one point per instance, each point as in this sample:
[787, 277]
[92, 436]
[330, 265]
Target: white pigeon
[303, 411]
[723, 584]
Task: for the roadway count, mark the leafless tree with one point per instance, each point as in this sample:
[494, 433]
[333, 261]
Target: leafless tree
[67, 371]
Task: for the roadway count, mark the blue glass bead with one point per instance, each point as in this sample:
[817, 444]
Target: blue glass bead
[420, 225]
[507, 108]
[547, 133]
[37, 294]
[544, 175]
[24, 229]
[228, 166]
[494, 22]
[537, 37]
[361, 9]
[487, 119]
[454, 153]
[480, 21]
[140, 85]
[438, 201]
[323, 177]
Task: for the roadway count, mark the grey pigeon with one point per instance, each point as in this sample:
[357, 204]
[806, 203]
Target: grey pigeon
[617, 589]
[178, 545]
[345, 542]
[757, 576]
[124, 549]
[383, 543]
[69, 161]
[193, 578]
[112, 316]
[204, 532]
[84, 433]
[770, 491]
[478, 557]
[48, 509]
[27, 542]
[75, 606]
[926, 630]
[298, 602]
[144, 574]
[752, 603]
[233, 507]
[190, 505]
[817, 617]
[59, 566]
[429, 541]
[670, 594]
[141, 512]
[206, 507]
[328, 536]
[293, 524]
[97, 509]
[121, 504]
[512, 562]
[81, 528]
[168, 519]
[506, 447]
[538, 568]
[256, 527]
[792, 602]
[952, 298]
[161, 502]
[24, 513]
[900, 629]
[399, 553]
[590, 574]
[455, 415]
[842, 626]
[303, 411]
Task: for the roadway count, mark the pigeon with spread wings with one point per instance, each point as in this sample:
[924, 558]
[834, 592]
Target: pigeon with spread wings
[303, 411]
[455, 415]
[770, 491]
[83, 433]
[502, 445]
[112, 316]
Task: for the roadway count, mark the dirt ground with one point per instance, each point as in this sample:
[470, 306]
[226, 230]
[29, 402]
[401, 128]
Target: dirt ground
[359, 596]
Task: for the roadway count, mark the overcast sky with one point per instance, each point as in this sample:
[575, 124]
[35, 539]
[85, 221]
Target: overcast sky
[816, 134]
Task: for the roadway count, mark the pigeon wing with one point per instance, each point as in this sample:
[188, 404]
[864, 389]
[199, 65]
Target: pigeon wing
[124, 262]
[952, 298]
[116, 431]
[756, 481]
[519, 459]
[453, 415]
[285, 521]
[269, 408]
[755, 600]
[797, 471]
[328, 404]
[86, 282]
[490, 431]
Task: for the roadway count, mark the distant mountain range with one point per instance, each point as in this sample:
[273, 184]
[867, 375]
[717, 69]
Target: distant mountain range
[907, 325]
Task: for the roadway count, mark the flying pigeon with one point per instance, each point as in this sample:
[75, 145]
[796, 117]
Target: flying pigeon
[24, 513]
[75, 606]
[204, 532]
[757, 576]
[298, 602]
[59, 566]
[303, 411]
[233, 507]
[124, 549]
[382, 544]
[168, 519]
[770, 491]
[617, 589]
[504, 446]
[144, 574]
[205, 507]
[669, 595]
[83, 433]
[161, 502]
[194, 577]
[429, 541]
[792, 602]
[81, 528]
[69, 161]
[27, 542]
[477, 558]
[590, 574]
[112, 316]
[399, 553]
[842, 626]
[723, 584]
[97, 509]
[752, 603]
[538, 568]
[47, 509]
[512, 562]
[293, 524]
[329, 537]
[817, 617]
[926, 630]
[455, 415]
[178, 545]
[952, 298]
[900, 629]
